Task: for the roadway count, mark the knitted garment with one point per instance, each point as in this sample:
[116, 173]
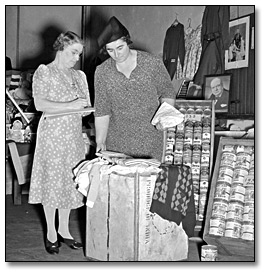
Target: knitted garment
[173, 197]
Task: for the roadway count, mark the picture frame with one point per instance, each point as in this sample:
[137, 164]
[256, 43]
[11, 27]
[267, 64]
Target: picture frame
[237, 54]
[218, 88]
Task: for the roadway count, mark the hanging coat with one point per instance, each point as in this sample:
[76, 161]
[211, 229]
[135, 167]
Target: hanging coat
[214, 40]
[174, 48]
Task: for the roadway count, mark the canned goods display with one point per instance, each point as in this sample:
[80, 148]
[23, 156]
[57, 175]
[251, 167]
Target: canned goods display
[233, 228]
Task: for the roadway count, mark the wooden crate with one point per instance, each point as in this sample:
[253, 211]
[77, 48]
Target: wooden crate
[226, 246]
[120, 226]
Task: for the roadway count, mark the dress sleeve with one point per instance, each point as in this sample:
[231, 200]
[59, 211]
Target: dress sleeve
[85, 86]
[163, 81]
[102, 101]
[41, 81]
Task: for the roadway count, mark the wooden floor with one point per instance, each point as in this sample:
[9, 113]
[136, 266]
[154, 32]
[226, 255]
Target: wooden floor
[25, 232]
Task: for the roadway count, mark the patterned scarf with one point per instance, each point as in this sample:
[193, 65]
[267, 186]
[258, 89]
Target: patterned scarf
[173, 197]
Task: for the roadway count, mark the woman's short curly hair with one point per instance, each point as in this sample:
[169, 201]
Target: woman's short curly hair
[65, 39]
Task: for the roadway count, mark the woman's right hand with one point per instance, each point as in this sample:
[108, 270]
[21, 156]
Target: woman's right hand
[100, 147]
[78, 103]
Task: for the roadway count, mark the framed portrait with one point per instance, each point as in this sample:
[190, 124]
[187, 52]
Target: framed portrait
[237, 54]
[218, 89]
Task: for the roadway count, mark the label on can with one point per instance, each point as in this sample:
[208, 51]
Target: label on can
[220, 208]
[228, 159]
[209, 253]
[222, 193]
[206, 137]
[248, 212]
[248, 230]
[239, 175]
[226, 170]
[224, 178]
[243, 160]
[237, 194]
[178, 159]
[233, 228]
[249, 194]
[217, 226]
[205, 159]
[235, 210]
[168, 159]
[249, 180]
[204, 184]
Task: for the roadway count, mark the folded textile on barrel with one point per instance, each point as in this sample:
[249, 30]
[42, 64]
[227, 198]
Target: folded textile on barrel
[173, 197]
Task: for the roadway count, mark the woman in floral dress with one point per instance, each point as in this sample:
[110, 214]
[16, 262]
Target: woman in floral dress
[58, 87]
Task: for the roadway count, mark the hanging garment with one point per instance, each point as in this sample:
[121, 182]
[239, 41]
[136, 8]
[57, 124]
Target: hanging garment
[193, 52]
[214, 40]
[174, 48]
[173, 197]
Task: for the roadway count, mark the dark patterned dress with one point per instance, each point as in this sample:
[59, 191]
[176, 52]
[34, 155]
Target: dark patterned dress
[131, 104]
[59, 146]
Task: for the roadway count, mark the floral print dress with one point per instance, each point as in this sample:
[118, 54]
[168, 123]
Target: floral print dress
[59, 145]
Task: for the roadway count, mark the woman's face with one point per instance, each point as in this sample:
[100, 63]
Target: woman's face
[118, 50]
[71, 54]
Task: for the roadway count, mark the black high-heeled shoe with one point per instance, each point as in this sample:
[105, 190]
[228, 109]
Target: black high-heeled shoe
[73, 244]
[52, 248]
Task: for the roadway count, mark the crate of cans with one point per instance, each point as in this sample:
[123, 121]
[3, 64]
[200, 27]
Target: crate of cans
[191, 144]
[229, 220]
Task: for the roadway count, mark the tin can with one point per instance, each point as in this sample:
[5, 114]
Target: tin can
[205, 160]
[197, 138]
[222, 192]
[170, 137]
[240, 148]
[229, 148]
[199, 110]
[182, 109]
[228, 159]
[179, 135]
[237, 193]
[196, 186]
[217, 226]
[204, 175]
[205, 147]
[179, 147]
[209, 253]
[204, 184]
[168, 159]
[188, 139]
[239, 175]
[198, 126]
[226, 170]
[171, 129]
[222, 177]
[197, 149]
[206, 137]
[219, 208]
[249, 194]
[249, 180]
[243, 160]
[248, 230]
[233, 228]
[195, 170]
[248, 211]
[189, 124]
[235, 210]
[178, 159]
[207, 112]
[169, 147]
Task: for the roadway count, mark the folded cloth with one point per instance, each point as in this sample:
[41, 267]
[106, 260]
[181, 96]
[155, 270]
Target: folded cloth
[173, 197]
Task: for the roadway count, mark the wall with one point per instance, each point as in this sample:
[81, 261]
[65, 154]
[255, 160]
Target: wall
[31, 31]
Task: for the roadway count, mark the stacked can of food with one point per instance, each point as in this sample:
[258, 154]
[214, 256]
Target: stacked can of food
[179, 144]
[170, 143]
[188, 139]
[205, 160]
[222, 191]
[196, 155]
[248, 213]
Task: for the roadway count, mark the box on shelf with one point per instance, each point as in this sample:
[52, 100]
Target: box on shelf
[228, 224]
[120, 227]
[192, 144]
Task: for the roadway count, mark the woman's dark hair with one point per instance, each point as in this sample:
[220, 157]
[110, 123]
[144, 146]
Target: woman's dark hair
[65, 39]
[124, 38]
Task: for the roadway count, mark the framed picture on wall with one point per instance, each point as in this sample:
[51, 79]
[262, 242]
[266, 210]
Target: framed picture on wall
[237, 54]
[218, 88]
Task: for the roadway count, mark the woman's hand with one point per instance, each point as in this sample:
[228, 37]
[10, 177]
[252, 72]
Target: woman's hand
[78, 103]
[100, 147]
